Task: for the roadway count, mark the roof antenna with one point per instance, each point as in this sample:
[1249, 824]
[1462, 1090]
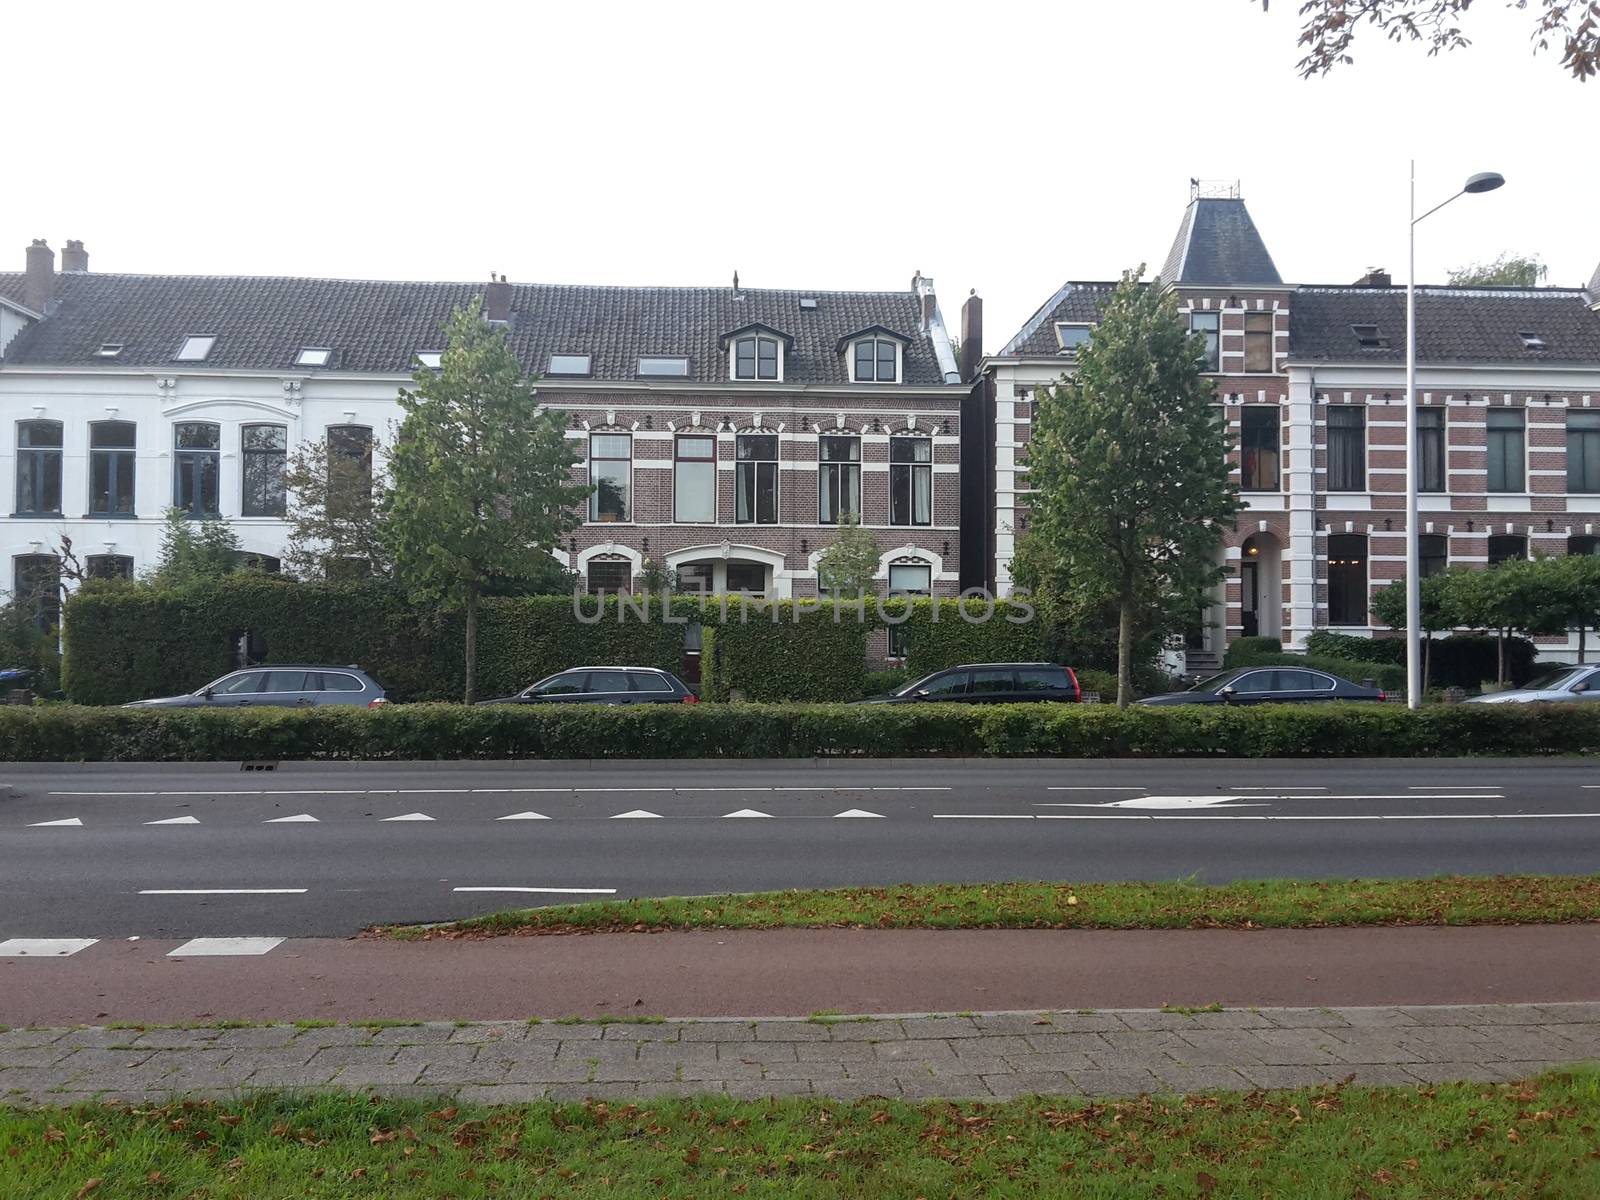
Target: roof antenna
[736, 281]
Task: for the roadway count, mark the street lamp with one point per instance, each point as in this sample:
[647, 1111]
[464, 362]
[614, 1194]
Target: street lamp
[1484, 181]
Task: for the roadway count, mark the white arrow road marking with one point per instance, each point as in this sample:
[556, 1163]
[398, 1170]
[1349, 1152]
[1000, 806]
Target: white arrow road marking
[747, 812]
[43, 947]
[859, 812]
[175, 821]
[638, 812]
[543, 890]
[48, 824]
[298, 817]
[409, 817]
[218, 946]
[523, 816]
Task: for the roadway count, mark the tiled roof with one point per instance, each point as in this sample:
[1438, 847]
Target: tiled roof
[261, 323]
[1217, 243]
[1453, 325]
[11, 286]
[1076, 303]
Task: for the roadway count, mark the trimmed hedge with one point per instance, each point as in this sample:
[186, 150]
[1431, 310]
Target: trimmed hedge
[67, 733]
[799, 650]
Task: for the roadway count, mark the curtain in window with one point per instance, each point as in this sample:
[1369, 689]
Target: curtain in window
[1430, 450]
[1347, 448]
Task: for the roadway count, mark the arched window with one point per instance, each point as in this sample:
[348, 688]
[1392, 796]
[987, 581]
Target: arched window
[38, 468]
[756, 357]
[1347, 579]
[875, 360]
[196, 455]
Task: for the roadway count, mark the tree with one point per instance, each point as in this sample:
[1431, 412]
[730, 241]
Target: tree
[849, 566]
[1129, 468]
[193, 550]
[333, 515]
[1570, 585]
[1512, 597]
[1330, 28]
[1509, 270]
[1389, 606]
[480, 477]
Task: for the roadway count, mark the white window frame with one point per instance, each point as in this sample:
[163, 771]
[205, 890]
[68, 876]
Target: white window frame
[899, 359]
[191, 349]
[757, 338]
[567, 370]
[314, 356]
[663, 366]
[1072, 351]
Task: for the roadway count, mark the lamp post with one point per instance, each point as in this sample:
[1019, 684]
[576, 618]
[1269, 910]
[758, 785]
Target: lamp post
[1485, 181]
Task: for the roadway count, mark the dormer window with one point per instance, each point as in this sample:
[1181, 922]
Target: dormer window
[756, 357]
[195, 348]
[1370, 337]
[1531, 340]
[313, 356]
[432, 359]
[109, 350]
[875, 360]
[570, 364]
[1072, 336]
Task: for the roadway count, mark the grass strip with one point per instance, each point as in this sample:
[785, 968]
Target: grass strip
[1533, 1138]
[1248, 904]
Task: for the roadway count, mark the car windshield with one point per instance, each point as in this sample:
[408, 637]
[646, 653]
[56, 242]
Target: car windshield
[1551, 680]
[911, 688]
[1216, 682]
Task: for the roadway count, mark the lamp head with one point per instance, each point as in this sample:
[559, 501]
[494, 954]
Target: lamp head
[1484, 181]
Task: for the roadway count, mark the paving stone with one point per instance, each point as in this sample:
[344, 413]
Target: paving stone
[831, 1051]
[92, 1039]
[1210, 1047]
[1199, 1079]
[1067, 1043]
[1071, 1022]
[865, 1031]
[488, 1032]
[500, 1093]
[1114, 1082]
[991, 1046]
[1281, 1076]
[767, 1051]
[789, 1031]
[634, 1071]
[971, 1064]
[678, 1052]
[1064, 1061]
[517, 1071]
[611, 1052]
[1377, 1046]
[1370, 1074]
[1524, 1042]
[805, 1070]
[432, 1056]
[1131, 1060]
[1588, 1013]
[1296, 1018]
[715, 1031]
[334, 1057]
[257, 1037]
[519, 1052]
[1289, 1048]
[660, 1089]
[550, 1031]
[33, 1056]
[1010, 1085]
[727, 1069]
[1449, 1072]
[919, 1051]
[1016, 1023]
[378, 1074]
[942, 1027]
[856, 1089]
[611, 1090]
[333, 1035]
[1369, 1018]
[638, 1033]
[1172, 1022]
[414, 1035]
[22, 1080]
[15, 1039]
[476, 1071]
[752, 1090]
[944, 1087]
[172, 1039]
[292, 1076]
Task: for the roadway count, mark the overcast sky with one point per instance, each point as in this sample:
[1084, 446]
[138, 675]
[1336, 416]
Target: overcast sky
[998, 146]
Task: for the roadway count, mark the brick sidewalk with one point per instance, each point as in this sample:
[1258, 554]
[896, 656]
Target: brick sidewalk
[989, 1056]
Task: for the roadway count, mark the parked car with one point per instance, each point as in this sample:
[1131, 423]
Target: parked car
[1270, 685]
[1562, 683]
[279, 686]
[604, 685]
[989, 683]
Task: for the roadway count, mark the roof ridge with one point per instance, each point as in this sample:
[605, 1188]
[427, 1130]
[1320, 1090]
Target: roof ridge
[615, 287]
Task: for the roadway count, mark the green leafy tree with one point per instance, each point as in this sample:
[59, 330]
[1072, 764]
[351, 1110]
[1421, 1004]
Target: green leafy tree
[333, 514]
[1513, 597]
[1330, 26]
[1129, 469]
[192, 550]
[1509, 270]
[1570, 588]
[480, 479]
[849, 566]
[654, 577]
[1389, 606]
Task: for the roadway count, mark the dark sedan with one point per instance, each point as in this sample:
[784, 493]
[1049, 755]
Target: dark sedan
[1270, 685]
[604, 685]
[280, 686]
[989, 683]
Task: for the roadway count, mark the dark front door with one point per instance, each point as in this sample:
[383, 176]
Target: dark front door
[1250, 616]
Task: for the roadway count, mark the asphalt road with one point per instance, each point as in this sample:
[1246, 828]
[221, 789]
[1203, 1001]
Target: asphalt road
[116, 851]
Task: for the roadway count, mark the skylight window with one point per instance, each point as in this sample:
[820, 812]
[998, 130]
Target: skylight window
[109, 350]
[808, 303]
[1369, 337]
[432, 359]
[195, 348]
[1072, 337]
[1531, 340]
[313, 356]
[664, 364]
[570, 364]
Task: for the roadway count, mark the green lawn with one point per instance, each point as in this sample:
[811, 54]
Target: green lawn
[1448, 1142]
[1268, 903]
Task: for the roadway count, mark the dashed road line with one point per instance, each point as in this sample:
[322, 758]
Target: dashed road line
[223, 891]
[175, 821]
[43, 947]
[298, 818]
[219, 947]
[72, 821]
[415, 816]
[553, 891]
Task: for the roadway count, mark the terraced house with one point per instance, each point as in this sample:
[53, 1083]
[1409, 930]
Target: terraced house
[1312, 379]
[726, 431]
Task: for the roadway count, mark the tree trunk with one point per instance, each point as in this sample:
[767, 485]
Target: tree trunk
[1427, 655]
[472, 642]
[1125, 652]
[1582, 629]
[1500, 657]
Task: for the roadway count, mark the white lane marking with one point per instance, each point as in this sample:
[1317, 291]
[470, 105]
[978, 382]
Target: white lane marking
[543, 890]
[416, 816]
[297, 818]
[635, 813]
[1277, 787]
[523, 816]
[1324, 817]
[43, 947]
[50, 824]
[103, 793]
[298, 792]
[218, 946]
[222, 892]
[1447, 787]
[747, 812]
[859, 812]
[175, 821]
[983, 816]
[1095, 788]
[1166, 802]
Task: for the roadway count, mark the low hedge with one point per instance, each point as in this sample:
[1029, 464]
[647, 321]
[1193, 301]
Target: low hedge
[68, 733]
[1460, 660]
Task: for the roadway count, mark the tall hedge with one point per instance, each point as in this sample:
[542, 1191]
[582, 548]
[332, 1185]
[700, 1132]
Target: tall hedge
[783, 650]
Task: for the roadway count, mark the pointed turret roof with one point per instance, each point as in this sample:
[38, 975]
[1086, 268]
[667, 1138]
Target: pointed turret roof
[1218, 244]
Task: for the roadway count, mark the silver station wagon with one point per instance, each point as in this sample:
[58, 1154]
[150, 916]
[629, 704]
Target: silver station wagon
[279, 686]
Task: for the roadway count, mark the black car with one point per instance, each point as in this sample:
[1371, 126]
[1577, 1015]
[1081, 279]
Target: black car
[990, 683]
[604, 685]
[1270, 685]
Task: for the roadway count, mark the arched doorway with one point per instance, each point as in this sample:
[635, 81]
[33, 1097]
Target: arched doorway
[1261, 586]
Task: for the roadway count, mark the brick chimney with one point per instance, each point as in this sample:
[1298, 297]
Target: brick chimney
[1375, 277]
[39, 278]
[923, 287]
[497, 300]
[75, 259]
[971, 336]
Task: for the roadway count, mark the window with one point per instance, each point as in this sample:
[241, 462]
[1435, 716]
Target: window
[265, 452]
[1258, 341]
[1347, 579]
[1302, 681]
[1507, 547]
[611, 477]
[1369, 337]
[910, 481]
[285, 681]
[195, 349]
[1043, 679]
[109, 566]
[246, 683]
[876, 360]
[992, 682]
[942, 687]
[109, 350]
[1531, 340]
[570, 364]
[313, 356]
[1259, 426]
[1583, 544]
[1430, 450]
[648, 681]
[350, 458]
[36, 588]
[755, 480]
[694, 479]
[606, 682]
[38, 467]
[111, 459]
[838, 478]
[568, 683]
[747, 577]
[1583, 452]
[1347, 448]
[1207, 325]
[1255, 682]
[432, 359]
[1433, 554]
[264, 563]
[610, 575]
[695, 579]
[1072, 337]
[755, 358]
[664, 364]
[330, 681]
[196, 451]
[1506, 455]
[906, 579]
